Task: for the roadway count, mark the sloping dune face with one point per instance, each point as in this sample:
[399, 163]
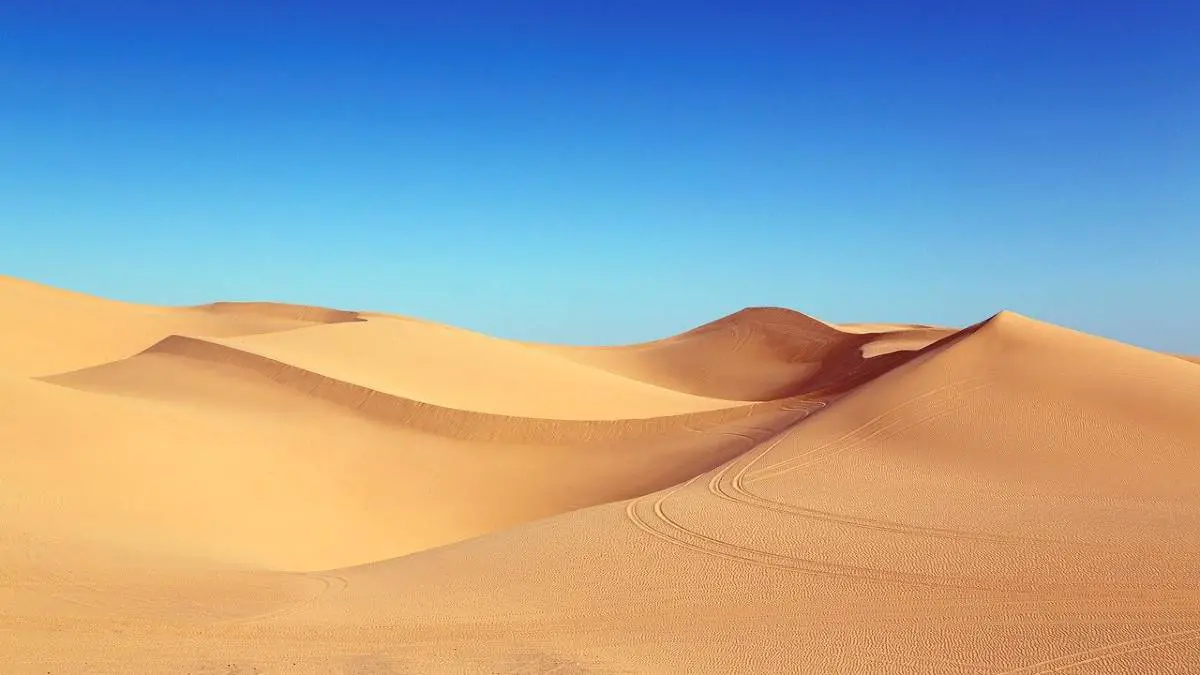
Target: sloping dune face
[336, 439]
[758, 354]
[267, 488]
[468, 371]
[49, 331]
[1019, 500]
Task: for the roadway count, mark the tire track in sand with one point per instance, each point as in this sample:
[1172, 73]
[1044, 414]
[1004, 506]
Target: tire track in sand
[331, 584]
[645, 514]
[1104, 652]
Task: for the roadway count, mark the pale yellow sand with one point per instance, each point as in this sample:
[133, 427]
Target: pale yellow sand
[51, 331]
[279, 489]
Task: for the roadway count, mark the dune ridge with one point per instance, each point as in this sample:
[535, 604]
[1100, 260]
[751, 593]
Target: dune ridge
[49, 331]
[759, 353]
[310, 485]
[281, 310]
[427, 417]
[261, 487]
[901, 512]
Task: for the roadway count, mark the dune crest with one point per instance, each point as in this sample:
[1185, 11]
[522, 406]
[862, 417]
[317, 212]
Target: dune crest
[280, 310]
[234, 364]
[1018, 475]
[378, 364]
[49, 331]
[262, 487]
[759, 354]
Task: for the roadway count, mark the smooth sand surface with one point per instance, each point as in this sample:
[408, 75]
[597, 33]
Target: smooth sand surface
[270, 488]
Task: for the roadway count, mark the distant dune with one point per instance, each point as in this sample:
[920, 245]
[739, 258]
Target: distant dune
[50, 331]
[272, 488]
[759, 354]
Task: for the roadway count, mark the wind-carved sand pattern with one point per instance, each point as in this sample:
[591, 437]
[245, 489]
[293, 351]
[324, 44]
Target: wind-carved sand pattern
[273, 488]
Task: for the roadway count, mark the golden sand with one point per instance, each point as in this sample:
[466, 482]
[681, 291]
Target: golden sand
[267, 488]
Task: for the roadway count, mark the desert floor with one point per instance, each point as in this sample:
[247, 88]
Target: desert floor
[269, 488]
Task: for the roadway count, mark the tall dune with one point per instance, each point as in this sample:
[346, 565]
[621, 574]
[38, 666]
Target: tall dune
[1021, 499]
[269, 488]
[759, 354]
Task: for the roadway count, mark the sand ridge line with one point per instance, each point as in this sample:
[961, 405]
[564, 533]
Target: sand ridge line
[452, 422]
[855, 438]
[197, 479]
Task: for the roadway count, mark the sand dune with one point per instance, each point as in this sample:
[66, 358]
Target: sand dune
[759, 354]
[861, 327]
[241, 488]
[49, 331]
[196, 371]
[248, 470]
[464, 370]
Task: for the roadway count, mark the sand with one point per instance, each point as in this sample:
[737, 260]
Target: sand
[269, 488]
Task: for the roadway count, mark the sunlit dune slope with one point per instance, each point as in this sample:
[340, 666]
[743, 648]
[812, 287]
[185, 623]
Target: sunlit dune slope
[460, 369]
[902, 340]
[759, 354]
[294, 431]
[860, 327]
[47, 330]
[259, 487]
[242, 469]
[196, 371]
[305, 314]
[1019, 500]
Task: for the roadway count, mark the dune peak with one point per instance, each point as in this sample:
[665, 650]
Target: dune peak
[769, 316]
[273, 487]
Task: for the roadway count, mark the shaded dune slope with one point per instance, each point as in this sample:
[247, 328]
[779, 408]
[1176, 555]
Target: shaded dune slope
[902, 340]
[293, 482]
[481, 471]
[466, 370]
[191, 357]
[178, 367]
[259, 487]
[861, 327]
[1019, 500]
[758, 354]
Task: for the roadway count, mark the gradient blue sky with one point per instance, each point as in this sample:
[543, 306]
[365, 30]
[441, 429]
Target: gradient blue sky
[609, 171]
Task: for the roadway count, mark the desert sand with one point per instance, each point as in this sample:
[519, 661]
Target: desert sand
[269, 488]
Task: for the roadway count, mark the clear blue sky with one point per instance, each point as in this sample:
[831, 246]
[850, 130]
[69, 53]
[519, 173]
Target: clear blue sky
[608, 171]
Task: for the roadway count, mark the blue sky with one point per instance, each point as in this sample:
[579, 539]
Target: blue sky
[613, 171]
